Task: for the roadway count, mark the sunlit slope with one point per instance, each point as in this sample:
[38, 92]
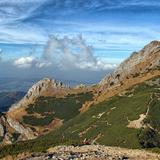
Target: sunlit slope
[108, 122]
[47, 109]
[114, 122]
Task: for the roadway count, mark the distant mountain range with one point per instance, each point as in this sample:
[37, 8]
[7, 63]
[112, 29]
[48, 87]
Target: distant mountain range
[15, 84]
[9, 98]
[121, 110]
[19, 84]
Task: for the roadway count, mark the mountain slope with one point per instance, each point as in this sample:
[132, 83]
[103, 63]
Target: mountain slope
[121, 110]
[47, 105]
[139, 67]
[108, 122]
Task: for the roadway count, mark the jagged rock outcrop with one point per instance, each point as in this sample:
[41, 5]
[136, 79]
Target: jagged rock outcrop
[36, 91]
[9, 128]
[19, 128]
[9, 122]
[1, 131]
[138, 63]
[140, 66]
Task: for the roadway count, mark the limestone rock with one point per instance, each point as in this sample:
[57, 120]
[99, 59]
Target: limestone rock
[27, 132]
[36, 91]
[1, 130]
[138, 63]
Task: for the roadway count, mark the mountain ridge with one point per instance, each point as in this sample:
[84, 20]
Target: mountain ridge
[35, 115]
[138, 67]
[149, 54]
[35, 91]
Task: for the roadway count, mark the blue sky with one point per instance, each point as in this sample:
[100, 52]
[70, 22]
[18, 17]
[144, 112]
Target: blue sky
[110, 31]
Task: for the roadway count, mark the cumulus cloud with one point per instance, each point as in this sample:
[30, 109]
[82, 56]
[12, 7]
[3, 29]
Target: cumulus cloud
[65, 53]
[68, 53]
[24, 62]
[30, 61]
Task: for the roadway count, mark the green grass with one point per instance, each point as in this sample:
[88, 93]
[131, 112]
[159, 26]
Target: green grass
[117, 133]
[51, 107]
[34, 121]
[116, 111]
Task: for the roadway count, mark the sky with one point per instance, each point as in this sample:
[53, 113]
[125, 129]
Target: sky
[80, 40]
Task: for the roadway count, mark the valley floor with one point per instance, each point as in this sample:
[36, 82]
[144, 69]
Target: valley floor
[88, 152]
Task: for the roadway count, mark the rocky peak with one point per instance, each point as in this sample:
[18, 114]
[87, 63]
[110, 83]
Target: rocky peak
[9, 122]
[36, 91]
[138, 63]
[42, 86]
[147, 52]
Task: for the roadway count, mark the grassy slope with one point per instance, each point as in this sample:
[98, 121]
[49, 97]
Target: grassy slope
[111, 127]
[50, 108]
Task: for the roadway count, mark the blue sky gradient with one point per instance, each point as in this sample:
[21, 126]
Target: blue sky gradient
[114, 28]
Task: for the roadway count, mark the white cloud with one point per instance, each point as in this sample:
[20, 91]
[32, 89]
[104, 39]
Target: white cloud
[69, 53]
[24, 62]
[30, 61]
[66, 54]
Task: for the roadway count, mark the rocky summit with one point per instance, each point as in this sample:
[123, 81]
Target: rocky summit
[138, 63]
[11, 128]
[139, 67]
[36, 91]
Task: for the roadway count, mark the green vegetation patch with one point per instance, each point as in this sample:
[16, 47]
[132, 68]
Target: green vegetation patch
[34, 121]
[51, 107]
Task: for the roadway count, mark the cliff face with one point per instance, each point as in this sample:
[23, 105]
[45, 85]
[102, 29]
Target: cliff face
[138, 63]
[36, 91]
[139, 67]
[11, 129]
